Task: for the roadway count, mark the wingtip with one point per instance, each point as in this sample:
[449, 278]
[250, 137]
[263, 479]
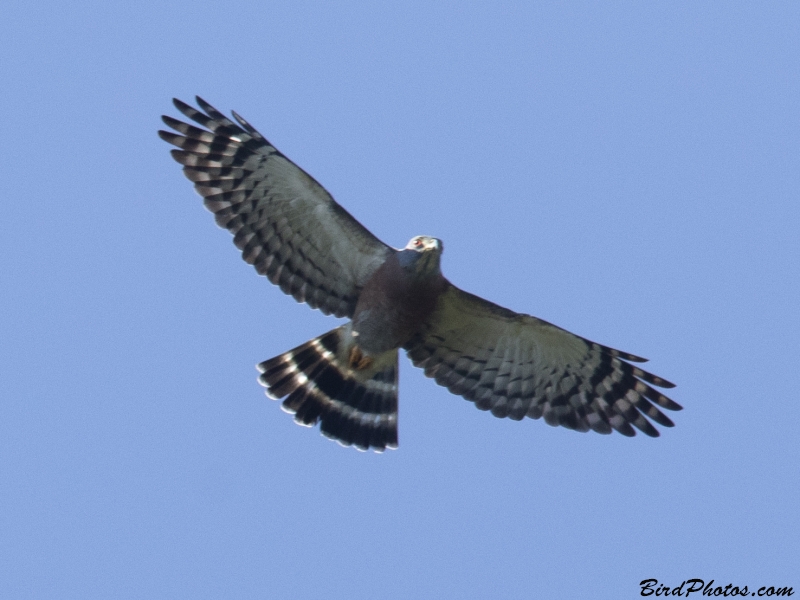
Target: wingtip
[204, 105]
[172, 122]
[167, 136]
[636, 359]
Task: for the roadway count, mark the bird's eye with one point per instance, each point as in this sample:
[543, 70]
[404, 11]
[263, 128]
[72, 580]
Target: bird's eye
[417, 243]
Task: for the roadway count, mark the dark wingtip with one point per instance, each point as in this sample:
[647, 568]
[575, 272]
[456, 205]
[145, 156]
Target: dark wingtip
[171, 122]
[204, 105]
[167, 136]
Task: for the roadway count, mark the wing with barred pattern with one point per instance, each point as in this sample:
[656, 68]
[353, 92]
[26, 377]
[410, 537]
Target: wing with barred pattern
[516, 365]
[284, 222]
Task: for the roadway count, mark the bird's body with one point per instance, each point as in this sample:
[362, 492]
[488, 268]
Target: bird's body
[291, 230]
[399, 296]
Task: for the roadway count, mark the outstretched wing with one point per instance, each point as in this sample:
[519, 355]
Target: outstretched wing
[517, 365]
[284, 222]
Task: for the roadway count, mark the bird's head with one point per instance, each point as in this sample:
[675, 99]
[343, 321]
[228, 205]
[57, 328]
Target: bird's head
[421, 255]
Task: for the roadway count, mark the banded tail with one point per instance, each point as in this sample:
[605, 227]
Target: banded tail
[355, 403]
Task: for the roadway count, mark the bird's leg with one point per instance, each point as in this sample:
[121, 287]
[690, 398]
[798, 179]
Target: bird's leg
[358, 360]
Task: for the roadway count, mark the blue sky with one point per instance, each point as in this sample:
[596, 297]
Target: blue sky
[628, 171]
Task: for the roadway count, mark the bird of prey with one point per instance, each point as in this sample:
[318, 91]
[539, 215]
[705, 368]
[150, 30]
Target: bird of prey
[291, 230]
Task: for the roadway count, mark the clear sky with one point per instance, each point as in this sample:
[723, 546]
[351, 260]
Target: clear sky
[628, 171]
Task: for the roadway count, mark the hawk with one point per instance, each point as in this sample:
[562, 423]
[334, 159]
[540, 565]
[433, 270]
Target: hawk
[293, 232]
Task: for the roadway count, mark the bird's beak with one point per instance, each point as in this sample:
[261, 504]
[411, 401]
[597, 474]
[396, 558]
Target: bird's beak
[435, 244]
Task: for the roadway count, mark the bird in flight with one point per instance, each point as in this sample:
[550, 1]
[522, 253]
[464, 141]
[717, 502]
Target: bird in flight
[293, 232]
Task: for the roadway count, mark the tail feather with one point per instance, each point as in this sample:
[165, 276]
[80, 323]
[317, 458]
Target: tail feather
[354, 407]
